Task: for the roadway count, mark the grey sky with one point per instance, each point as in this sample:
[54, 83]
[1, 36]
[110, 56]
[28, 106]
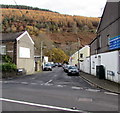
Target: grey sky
[90, 8]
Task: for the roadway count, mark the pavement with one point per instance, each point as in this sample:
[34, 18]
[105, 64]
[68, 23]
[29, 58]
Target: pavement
[101, 83]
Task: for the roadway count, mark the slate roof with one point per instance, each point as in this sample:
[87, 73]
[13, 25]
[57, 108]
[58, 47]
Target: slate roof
[110, 3]
[10, 36]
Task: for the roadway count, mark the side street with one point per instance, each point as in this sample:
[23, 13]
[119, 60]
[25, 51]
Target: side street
[39, 72]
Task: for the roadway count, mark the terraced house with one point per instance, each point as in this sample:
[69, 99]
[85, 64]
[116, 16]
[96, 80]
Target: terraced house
[20, 47]
[105, 48]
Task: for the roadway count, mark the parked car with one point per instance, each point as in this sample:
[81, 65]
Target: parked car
[47, 67]
[56, 64]
[72, 70]
[63, 66]
[53, 65]
[66, 68]
[59, 65]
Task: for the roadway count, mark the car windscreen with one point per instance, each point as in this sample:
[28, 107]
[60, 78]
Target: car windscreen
[47, 65]
[72, 67]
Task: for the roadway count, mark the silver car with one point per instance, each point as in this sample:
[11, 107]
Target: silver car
[47, 67]
[66, 68]
[72, 70]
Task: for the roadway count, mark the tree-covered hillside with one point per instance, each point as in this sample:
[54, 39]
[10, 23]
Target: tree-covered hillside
[62, 31]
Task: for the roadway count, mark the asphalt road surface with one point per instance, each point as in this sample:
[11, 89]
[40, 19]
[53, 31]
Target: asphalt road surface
[55, 91]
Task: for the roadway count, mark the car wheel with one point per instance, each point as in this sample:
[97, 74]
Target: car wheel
[68, 74]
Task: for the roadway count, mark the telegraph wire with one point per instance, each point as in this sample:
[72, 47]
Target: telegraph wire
[18, 7]
[20, 10]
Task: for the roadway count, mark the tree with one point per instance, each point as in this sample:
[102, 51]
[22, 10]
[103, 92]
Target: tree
[57, 55]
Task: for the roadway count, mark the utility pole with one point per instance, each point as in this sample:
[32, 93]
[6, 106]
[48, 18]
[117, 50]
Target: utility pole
[41, 51]
[78, 53]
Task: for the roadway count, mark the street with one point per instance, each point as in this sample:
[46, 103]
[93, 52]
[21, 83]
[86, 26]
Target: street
[55, 91]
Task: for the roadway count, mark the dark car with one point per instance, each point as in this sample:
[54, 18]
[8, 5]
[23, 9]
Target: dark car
[59, 65]
[47, 67]
[72, 70]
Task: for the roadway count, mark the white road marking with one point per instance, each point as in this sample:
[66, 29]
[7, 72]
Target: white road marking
[55, 75]
[93, 90]
[33, 83]
[8, 82]
[76, 87]
[64, 85]
[24, 82]
[32, 78]
[48, 82]
[85, 99]
[109, 93]
[59, 86]
[39, 105]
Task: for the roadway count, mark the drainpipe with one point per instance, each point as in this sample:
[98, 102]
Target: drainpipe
[78, 53]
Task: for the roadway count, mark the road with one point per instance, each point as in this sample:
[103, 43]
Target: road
[55, 91]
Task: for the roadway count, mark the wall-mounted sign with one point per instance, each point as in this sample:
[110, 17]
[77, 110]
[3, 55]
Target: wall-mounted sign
[114, 43]
[24, 52]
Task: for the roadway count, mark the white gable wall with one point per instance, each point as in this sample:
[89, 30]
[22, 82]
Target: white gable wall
[110, 61]
[85, 65]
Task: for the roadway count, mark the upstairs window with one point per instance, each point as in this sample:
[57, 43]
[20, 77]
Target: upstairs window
[81, 55]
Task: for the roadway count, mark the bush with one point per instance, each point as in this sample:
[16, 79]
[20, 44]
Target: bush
[6, 58]
[8, 67]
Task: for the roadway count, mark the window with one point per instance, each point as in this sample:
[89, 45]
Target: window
[2, 49]
[24, 52]
[81, 55]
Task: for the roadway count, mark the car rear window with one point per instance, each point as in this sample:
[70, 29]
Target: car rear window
[47, 65]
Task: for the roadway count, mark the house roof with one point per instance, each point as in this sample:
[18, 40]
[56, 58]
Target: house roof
[14, 36]
[101, 18]
[93, 40]
[10, 36]
[107, 8]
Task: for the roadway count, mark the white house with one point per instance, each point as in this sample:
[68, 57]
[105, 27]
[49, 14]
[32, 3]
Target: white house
[105, 48]
[81, 55]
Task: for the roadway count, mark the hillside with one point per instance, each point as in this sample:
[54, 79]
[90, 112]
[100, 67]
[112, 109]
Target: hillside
[57, 30]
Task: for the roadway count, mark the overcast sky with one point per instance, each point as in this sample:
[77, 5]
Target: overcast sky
[89, 8]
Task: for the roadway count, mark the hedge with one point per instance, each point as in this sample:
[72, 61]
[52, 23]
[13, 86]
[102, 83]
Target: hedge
[8, 67]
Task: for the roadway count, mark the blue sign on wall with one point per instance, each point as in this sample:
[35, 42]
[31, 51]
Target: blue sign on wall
[114, 43]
